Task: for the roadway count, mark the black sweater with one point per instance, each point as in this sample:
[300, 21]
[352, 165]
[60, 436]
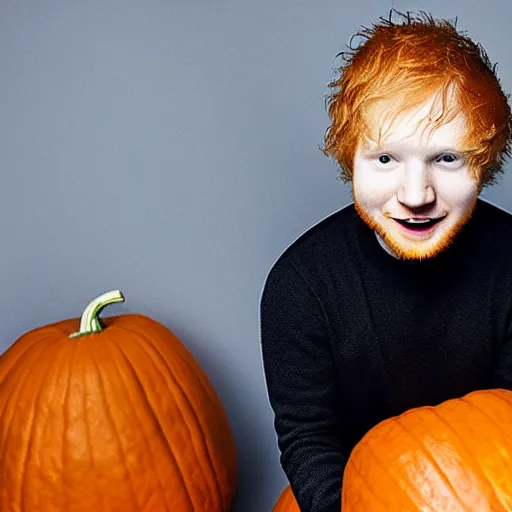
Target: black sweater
[352, 336]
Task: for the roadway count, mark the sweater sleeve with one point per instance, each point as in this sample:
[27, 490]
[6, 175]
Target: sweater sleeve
[503, 370]
[301, 384]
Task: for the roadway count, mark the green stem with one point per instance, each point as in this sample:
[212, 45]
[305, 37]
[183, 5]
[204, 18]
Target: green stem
[90, 321]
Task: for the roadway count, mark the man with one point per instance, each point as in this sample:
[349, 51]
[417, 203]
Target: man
[403, 298]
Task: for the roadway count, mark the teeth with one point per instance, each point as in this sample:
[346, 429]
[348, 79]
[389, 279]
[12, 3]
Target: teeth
[412, 221]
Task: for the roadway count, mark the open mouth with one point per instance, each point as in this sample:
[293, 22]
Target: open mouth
[419, 225]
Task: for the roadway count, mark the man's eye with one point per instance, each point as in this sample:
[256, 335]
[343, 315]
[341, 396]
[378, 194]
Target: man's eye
[384, 159]
[448, 158]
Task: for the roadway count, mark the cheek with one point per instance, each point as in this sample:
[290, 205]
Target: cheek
[459, 190]
[373, 189]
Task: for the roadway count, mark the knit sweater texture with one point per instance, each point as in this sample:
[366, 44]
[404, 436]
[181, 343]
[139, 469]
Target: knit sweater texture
[351, 336]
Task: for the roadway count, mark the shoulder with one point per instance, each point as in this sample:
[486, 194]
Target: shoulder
[494, 224]
[489, 209]
[313, 250]
[491, 239]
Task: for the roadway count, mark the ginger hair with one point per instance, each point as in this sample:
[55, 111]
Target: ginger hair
[407, 63]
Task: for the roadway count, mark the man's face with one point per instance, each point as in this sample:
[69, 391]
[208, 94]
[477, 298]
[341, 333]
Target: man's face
[415, 191]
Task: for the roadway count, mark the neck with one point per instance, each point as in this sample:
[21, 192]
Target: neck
[385, 246]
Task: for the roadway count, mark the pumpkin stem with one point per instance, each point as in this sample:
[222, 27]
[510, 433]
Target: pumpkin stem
[90, 321]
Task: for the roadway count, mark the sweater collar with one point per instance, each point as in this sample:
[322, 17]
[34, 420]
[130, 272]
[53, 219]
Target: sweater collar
[373, 252]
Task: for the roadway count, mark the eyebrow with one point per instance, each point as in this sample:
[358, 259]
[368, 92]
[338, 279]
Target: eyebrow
[431, 152]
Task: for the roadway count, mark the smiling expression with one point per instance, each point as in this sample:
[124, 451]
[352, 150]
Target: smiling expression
[415, 189]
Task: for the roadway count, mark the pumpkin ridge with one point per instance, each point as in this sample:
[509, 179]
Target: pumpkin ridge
[498, 393]
[498, 428]
[13, 398]
[60, 357]
[496, 396]
[187, 360]
[108, 414]
[208, 390]
[85, 348]
[68, 360]
[476, 465]
[489, 418]
[152, 411]
[148, 342]
[354, 467]
[19, 356]
[201, 378]
[404, 494]
[171, 376]
[35, 411]
[431, 457]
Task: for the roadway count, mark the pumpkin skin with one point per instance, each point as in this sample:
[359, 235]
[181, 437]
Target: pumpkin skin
[454, 457]
[286, 502]
[122, 419]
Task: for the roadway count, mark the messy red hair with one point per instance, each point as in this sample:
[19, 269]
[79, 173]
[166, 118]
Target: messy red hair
[408, 63]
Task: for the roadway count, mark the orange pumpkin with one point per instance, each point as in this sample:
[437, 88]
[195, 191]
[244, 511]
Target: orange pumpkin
[453, 457]
[286, 502]
[118, 416]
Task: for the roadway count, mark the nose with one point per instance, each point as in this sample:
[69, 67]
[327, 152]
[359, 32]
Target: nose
[415, 190]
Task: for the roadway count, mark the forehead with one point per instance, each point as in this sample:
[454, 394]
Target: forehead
[387, 125]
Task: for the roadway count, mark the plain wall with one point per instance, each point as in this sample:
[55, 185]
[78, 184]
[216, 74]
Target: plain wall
[171, 150]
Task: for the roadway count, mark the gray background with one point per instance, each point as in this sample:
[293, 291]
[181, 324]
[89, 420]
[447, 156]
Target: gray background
[170, 149]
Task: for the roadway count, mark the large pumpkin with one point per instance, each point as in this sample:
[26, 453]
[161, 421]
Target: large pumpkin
[456, 457]
[116, 417]
[286, 502]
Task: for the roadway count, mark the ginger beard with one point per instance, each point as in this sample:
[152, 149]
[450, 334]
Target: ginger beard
[414, 250]
[424, 175]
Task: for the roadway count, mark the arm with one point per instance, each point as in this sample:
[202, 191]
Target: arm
[301, 376]
[503, 369]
